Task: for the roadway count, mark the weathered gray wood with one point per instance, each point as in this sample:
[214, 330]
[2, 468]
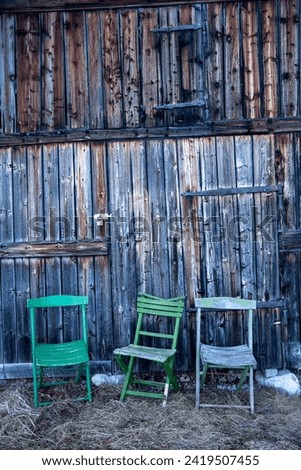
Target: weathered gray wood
[269, 65]
[48, 249]
[76, 70]
[289, 53]
[28, 65]
[215, 61]
[130, 67]
[95, 75]
[251, 48]
[52, 79]
[79, 135]
[232, 51]
[238, 190]
[112, 71]
[227, 127]
[8, 73]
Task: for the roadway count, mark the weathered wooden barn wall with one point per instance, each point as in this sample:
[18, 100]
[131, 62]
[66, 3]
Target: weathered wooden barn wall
[182, 122]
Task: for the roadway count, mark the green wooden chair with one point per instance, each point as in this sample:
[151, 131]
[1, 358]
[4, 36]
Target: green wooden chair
[225, 357]
[58, 355]
[151, 313]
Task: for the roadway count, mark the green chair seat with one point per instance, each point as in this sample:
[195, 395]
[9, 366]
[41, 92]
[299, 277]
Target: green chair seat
[61, 354]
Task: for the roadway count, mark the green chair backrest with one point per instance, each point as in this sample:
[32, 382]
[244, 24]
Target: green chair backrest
[37, 304]
[169, 308]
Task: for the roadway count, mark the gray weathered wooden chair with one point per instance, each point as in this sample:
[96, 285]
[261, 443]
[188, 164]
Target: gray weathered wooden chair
[163, 355]
[225, 357]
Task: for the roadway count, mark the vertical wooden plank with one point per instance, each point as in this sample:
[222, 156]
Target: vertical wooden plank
[37, 288]
[150, 69]
[130, 67]
[22, 223]
[288, 32]
[76, 70]
[198, 64]
[174, 221]
[53, 80]
[99, 189]
[169, 53]
[6, 201]
[140, 222]
[35, 193]
[69, 285]
[22, 267]
[112, 70]
[28, 72]
[186, 58]
[265, 233]
[67, 193]
[51, 192]
[212, 232]
[228, 209]
[83, 194]
[269, 54]
[157, 214]
[175, 238]
[100, 295]
[38, 231]
[7, 74]
[86, 282]
[95, 69]
[189, 172]
[9, 314]
[122, 250]
[245, 221]
[251, 58]
[7, 266]
[233, 79]
[285, 174]
[215, 79]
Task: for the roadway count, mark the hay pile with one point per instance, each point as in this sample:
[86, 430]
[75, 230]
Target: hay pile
[143, 424]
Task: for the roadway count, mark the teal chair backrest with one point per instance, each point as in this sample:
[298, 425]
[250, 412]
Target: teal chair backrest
[34, 305]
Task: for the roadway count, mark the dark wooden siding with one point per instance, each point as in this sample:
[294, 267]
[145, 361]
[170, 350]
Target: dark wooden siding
[182, 123]
[114, 68]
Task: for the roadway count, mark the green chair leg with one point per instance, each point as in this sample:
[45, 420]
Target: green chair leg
[127, 379]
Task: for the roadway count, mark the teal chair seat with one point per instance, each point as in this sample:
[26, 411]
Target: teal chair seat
[61, 354]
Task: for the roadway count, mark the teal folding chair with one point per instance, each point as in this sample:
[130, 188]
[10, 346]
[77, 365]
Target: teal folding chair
[225, 357]
[158, 309]
[62, 354]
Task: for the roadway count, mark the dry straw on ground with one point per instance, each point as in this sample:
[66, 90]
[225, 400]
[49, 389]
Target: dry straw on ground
[137, 424]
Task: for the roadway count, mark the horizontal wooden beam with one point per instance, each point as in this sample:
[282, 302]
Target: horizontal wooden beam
[46, 250]
[15, 6]
[238, 190]
[290, 241]
[212, 128]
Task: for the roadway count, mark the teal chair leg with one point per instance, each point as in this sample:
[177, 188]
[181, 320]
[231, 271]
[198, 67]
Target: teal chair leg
[88, 383]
